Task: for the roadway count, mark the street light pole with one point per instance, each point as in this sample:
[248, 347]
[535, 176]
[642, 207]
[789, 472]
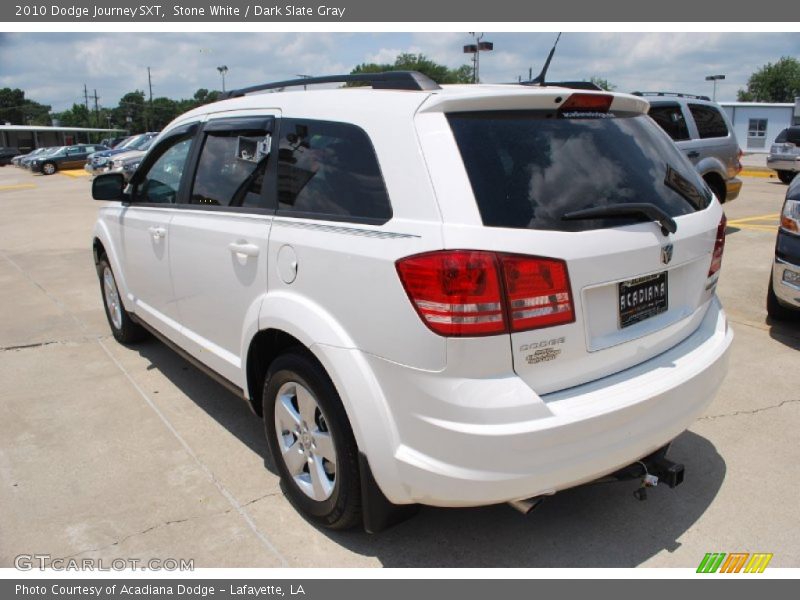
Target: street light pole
[475, 50]
[714, 78]
[222, 71]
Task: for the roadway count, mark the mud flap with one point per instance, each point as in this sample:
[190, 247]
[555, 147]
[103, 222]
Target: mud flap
[378, 512]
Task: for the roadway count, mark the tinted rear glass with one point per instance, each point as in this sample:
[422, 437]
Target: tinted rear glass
[791, 135]
[710, 123]
[670, 118]
[528, 169]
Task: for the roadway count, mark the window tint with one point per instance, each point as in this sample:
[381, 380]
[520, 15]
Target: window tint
[163, 178]
[670, 119]
[782, 136]
[528, 170]
[330, 169]
[710, 123]
[231, 169]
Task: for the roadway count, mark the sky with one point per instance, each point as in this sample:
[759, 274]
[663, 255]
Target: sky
[52, 68]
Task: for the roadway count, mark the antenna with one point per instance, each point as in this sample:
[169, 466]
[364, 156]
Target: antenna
[540, 77]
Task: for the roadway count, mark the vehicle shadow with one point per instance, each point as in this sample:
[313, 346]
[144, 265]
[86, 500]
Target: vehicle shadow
[785, 332]
[600, 525]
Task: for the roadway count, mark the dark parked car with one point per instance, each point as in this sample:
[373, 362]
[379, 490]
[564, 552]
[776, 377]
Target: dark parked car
[68, 157]
[6, 154]
[783, 295]
[24, 161]
[784, 155]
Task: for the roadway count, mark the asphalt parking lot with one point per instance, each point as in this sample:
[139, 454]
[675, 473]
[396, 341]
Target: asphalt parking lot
[109, 451]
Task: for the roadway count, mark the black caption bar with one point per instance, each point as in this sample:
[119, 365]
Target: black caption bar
[732, 11]
[385, 589]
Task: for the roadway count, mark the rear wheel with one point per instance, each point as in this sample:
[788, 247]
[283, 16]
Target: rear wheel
[49, 168]
[311, 441]
[775, 309]
[786, 176]
[124, 329]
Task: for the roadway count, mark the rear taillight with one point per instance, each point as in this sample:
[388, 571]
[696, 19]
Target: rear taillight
[739, 156]
[472, 293]
[537, 292]
[719, 247]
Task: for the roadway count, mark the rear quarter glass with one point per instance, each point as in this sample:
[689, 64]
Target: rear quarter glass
[530, 168]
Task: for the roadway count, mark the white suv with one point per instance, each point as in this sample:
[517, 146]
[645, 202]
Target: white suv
[452, 296]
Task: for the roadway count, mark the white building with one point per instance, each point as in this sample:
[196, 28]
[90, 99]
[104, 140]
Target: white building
[758, 123]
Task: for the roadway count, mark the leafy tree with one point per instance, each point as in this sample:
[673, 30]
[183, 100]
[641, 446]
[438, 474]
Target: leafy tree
[603, 84]
[130, 113]
[779, 82]
[419, 62]
[16, 109]
[77, 116]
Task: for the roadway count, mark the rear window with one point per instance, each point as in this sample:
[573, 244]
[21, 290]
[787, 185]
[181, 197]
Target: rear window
[530, 168]
[710, 123]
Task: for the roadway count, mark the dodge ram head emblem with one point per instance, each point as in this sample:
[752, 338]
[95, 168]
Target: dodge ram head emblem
[666, 253]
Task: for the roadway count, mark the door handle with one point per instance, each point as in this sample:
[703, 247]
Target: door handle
[693, 154]
[157, 232]
[243, 248]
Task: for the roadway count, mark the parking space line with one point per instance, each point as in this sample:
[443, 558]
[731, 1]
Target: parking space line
[74, 173]
[758, 218]
[18, 186]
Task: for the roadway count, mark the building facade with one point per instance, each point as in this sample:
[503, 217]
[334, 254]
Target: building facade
[30, 137]
[757, 124]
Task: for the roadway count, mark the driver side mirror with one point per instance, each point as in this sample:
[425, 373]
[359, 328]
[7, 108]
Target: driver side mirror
[109, 186]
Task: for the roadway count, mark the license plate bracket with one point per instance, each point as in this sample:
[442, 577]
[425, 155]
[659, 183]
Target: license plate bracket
[642, 298]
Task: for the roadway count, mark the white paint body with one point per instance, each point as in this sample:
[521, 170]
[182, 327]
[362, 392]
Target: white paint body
[442, 421]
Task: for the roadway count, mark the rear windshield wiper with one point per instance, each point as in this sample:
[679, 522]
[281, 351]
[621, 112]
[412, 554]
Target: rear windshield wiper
[632, 209]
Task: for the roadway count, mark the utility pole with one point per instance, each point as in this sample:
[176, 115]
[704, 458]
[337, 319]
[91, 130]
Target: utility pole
[150, 84]
[86, 102]
[96, 110]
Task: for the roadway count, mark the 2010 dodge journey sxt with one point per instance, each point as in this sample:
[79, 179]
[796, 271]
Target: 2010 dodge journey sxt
[452, 296]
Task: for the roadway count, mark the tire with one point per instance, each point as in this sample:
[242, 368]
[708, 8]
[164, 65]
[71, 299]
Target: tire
[311, 441]
[775, 309]
[786, 176]
[124, 329]
[49, 168]
[718, 188]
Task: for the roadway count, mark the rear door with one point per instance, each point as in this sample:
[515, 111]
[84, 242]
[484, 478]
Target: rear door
[713, 138]
[631, 288]
[218, 239]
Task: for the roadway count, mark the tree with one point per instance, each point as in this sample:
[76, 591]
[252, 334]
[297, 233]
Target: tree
[779, 82]
[130, 113]
[77, 116]
[419, 62]
[603, 84]
[16, 109]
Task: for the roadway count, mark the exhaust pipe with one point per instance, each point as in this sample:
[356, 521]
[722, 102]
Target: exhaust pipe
[526, 505]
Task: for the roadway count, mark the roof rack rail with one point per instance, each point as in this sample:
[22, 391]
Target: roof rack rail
[676, 94]
[575, 85]
[388, 80]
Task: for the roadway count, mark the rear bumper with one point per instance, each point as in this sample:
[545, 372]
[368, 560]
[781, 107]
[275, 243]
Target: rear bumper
[781, 163]
[732, 189]
[483, 442]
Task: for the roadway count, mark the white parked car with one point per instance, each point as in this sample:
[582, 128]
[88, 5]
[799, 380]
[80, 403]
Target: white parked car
[453, 296]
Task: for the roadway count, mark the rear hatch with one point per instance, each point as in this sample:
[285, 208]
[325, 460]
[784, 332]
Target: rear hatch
[605, 192]
[787, 144]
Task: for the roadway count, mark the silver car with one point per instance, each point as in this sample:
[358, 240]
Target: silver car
[703, 132]
[784, 155]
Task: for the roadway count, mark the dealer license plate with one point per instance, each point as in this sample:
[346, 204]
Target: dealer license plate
[642, 298]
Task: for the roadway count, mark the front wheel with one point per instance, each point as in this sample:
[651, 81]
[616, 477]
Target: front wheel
[311, 441]
[786, 176]
[49, 168]
[124, 329]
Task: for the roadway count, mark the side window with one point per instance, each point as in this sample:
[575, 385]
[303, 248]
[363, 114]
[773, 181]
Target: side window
[329, 169]
[710, 123]
[163, 179]
[670, 118]
[231, 169]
